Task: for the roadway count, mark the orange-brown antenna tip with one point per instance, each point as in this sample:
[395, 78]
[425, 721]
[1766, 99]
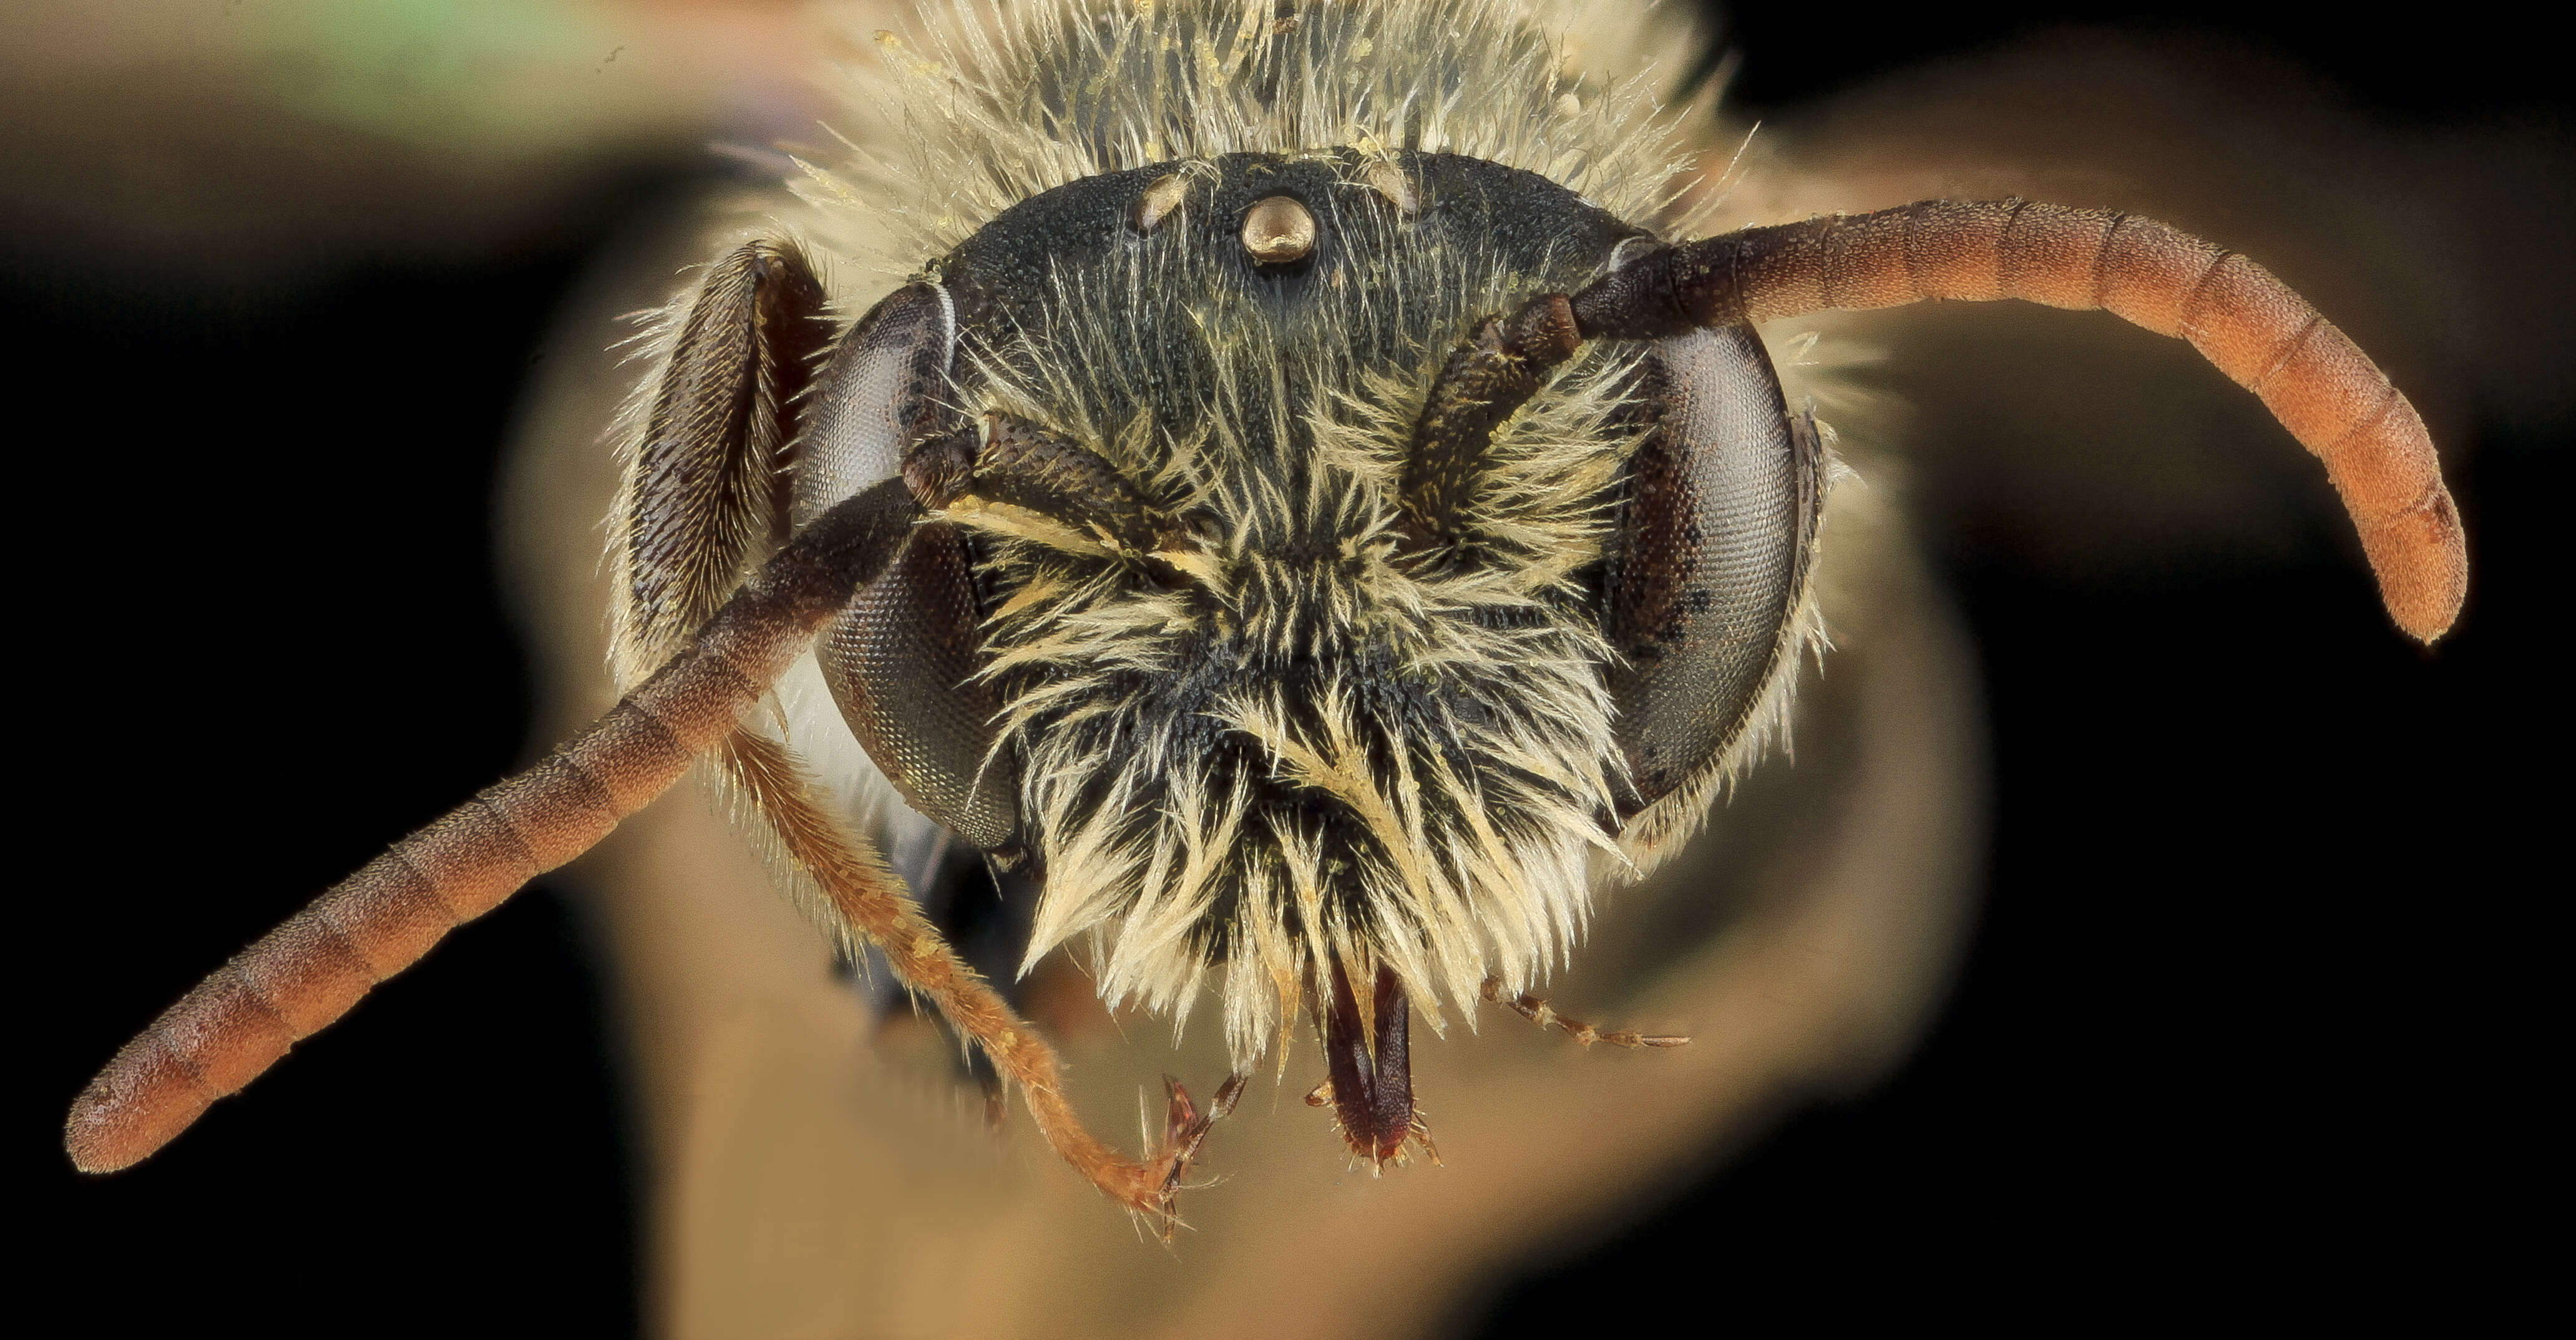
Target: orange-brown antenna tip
[135, 1106]
[2422, 562]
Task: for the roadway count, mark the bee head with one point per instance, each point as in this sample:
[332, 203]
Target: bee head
[1247, 714]
[1203, 621]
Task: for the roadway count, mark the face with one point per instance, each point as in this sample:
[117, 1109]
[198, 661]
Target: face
[1279, 735]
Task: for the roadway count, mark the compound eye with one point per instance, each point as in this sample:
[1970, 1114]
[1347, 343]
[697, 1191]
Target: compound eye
[1278, 231]
[1710, 558]
[902, 657]
[901, 661]
[884, 386]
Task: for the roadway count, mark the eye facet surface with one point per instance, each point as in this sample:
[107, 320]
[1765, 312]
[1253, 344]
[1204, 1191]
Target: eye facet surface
[901, 663]
[885, 385]
[1711, 557]
[899, 660]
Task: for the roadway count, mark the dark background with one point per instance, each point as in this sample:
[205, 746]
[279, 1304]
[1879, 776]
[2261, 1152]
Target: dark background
[2242, 1034]
[2240, 1029]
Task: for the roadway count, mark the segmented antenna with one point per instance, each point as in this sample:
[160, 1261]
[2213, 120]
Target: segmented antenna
[2265, 337]
[305, 974]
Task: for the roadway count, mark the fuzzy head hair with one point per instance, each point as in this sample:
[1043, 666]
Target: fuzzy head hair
[992, 106]
[1286, 744]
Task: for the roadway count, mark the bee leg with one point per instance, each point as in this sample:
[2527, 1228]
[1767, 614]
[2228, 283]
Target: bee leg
[712, 467]
[1185, 1127]
[710, 477]
[1537, 1011]
[868, 897]
[986, 914]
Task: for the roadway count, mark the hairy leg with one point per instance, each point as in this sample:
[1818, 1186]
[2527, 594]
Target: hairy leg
[872, 901]
[1538, 1011]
